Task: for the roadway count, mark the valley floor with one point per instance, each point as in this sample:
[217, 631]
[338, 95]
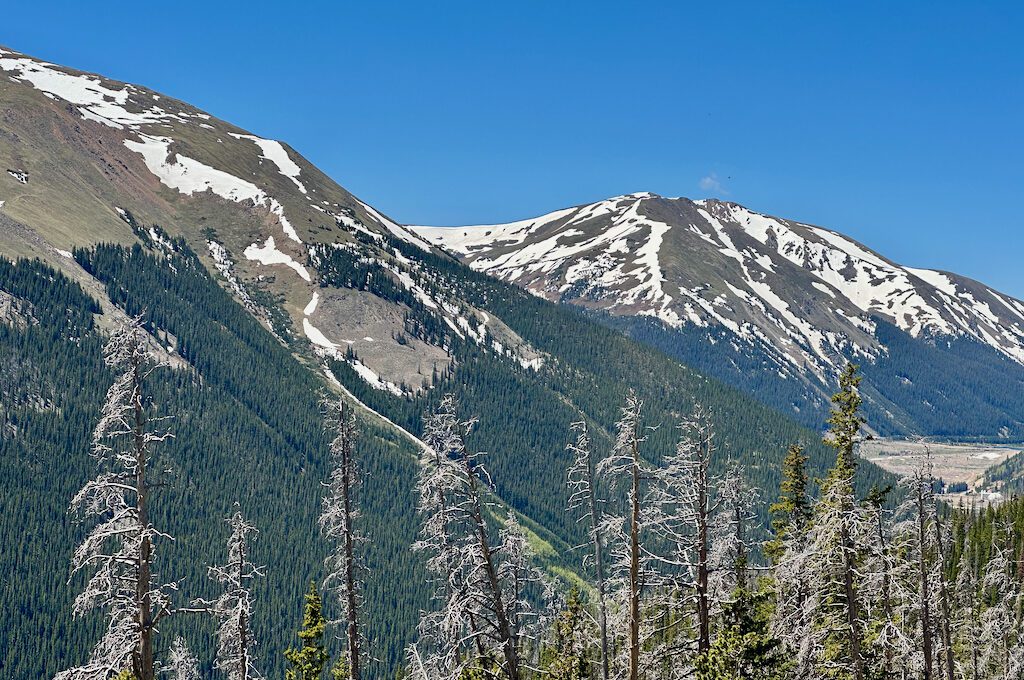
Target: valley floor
[953, 462]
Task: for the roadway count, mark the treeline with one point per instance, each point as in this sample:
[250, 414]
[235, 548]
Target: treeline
[978, 394]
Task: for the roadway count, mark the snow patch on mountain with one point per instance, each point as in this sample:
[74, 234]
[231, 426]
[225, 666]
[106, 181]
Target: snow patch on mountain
[225, 266]
[401, 232]
[316, 336]
[268, 254]
[326, 348]
[94, 100]
[275, 153]
[624, 255]
[760, 277]
[189, 176]
[310, 308]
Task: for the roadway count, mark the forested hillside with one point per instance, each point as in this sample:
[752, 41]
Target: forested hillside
[247, 428]
[676, 575]
[250, 427]
[773, 306]
[974, 397]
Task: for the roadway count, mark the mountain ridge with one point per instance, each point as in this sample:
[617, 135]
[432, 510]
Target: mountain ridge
[264, 283]
[805, 297]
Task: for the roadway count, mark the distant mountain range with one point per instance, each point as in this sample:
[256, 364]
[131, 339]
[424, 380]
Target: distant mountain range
[769, 305]
[773, 305]
[263, 284]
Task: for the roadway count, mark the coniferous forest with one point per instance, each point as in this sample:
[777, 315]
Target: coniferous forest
[649, 542]
[622, 357]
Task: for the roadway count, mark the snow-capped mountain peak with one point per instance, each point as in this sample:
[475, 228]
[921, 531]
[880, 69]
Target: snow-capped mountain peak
[808, 295]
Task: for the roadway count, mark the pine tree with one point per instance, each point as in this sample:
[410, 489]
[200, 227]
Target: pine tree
[629, 474]
[119, 550]
[447, 546]
[181, 663]
[942, 541]
[788, 551]
[487, 568]
[792, 511]
[569, 656]
[1000, 637]
[308, 661]
[966, 622]
[838, 535]
[469, 571]
[890, 577]
[730, 544]
[920, 485]
[744, 649]
[517, 574]
[687, 508]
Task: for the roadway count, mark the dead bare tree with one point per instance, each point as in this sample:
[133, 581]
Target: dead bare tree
[236, 645]
[119, 550]
[582, 483]
[337, 523]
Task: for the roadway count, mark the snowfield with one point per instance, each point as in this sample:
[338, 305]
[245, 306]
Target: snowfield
[276, 154]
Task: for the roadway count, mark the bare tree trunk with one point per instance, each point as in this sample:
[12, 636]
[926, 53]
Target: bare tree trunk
[926, 614]
[852, 609]
[350, 563]
[143, 658]
[508, 640]
[634, 568]
[602, 606]
[703, 608]
[975, 661]
[741, 550]
[947, 638]
[243, 643]
[886, 591]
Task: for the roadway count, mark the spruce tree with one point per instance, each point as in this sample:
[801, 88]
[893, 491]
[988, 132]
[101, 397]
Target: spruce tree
[840, 527]
[569, 656]
[309, 660]
[792, 511]
[744, 649]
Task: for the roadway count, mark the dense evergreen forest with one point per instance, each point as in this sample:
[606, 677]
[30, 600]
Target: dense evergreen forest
[979, 395]
[247, 428]
[485, 584]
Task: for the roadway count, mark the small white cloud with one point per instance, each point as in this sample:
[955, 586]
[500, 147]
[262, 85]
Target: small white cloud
[711, 184]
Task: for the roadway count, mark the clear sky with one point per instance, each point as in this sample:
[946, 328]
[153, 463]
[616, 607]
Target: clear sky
[898, 123]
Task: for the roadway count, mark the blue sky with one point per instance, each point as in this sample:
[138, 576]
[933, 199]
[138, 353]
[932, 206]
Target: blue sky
[900, 124]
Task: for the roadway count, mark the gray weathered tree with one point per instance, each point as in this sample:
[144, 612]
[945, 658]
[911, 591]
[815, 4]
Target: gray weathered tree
[584, 499]
[119, 551]
[338, 519]
[236, 645]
